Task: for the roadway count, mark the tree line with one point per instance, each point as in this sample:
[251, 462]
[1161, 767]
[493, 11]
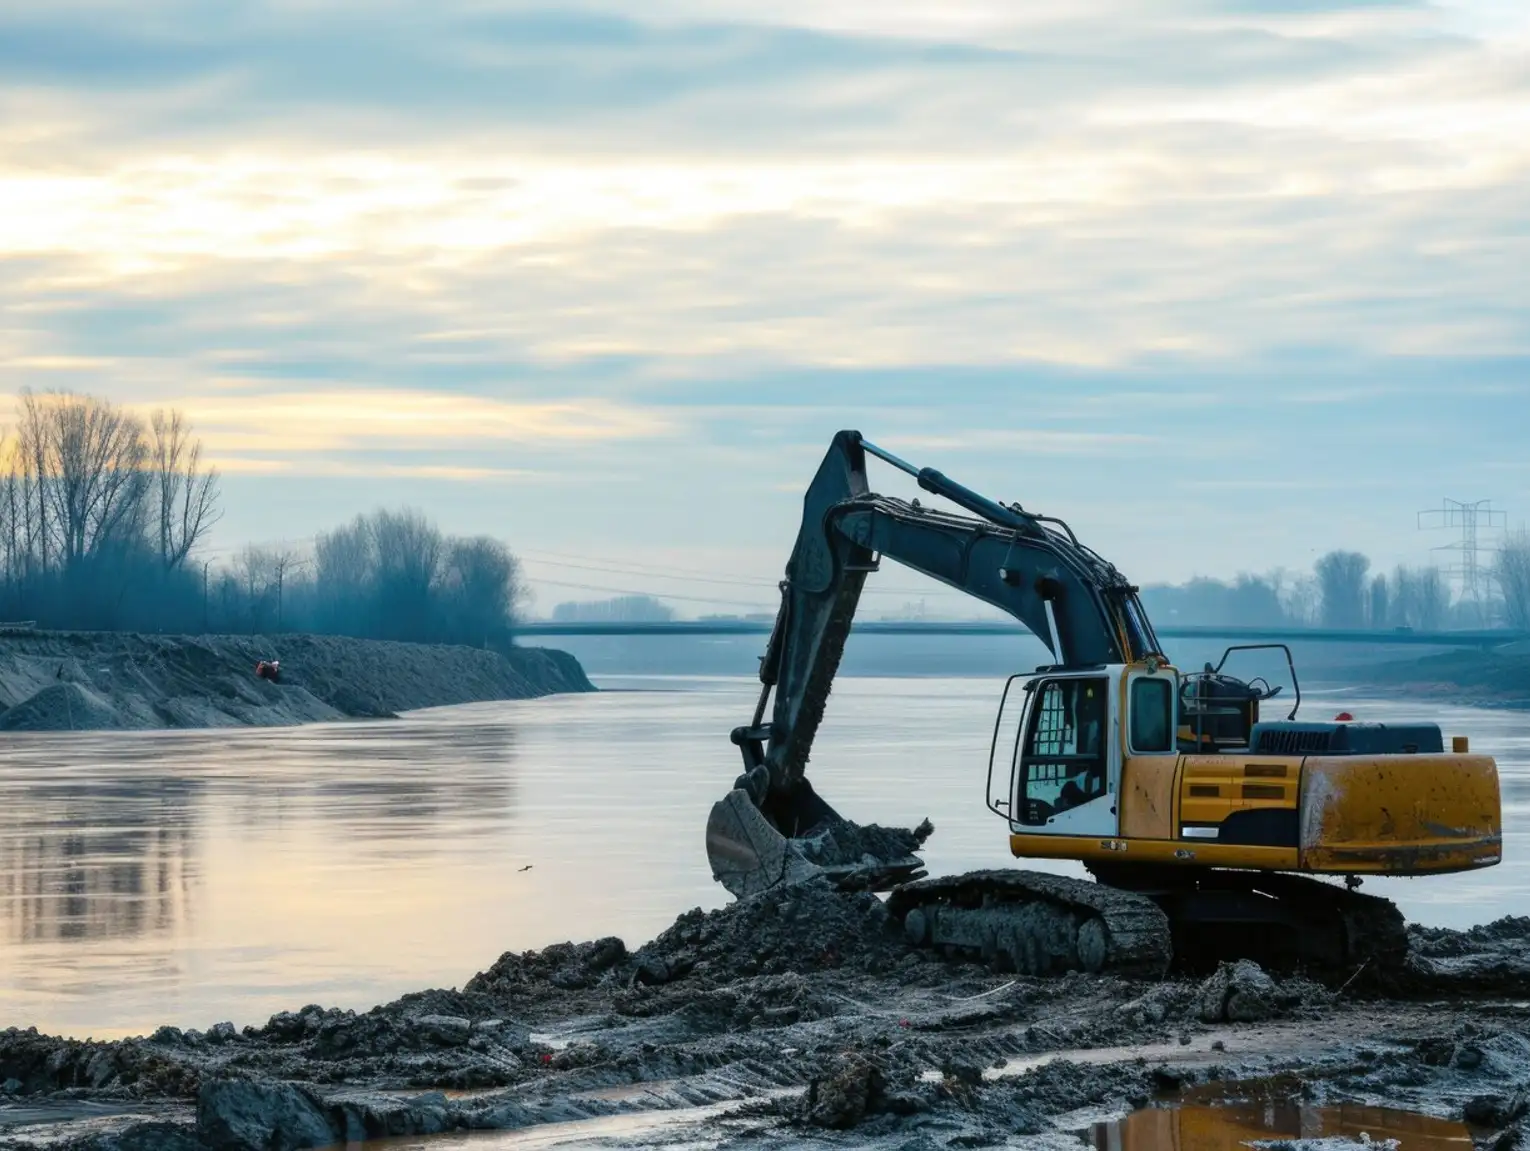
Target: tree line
[102, 513]
[1343, 592]
[388, 575]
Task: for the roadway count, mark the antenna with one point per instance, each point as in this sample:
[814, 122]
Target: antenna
[1470, 519]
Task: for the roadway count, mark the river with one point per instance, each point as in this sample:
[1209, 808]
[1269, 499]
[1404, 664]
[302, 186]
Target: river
[194, 876]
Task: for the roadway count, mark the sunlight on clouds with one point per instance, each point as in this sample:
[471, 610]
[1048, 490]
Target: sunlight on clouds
[153, 215]
[320, 467]
[327, 421]
[1206, 183]
[1029, 440]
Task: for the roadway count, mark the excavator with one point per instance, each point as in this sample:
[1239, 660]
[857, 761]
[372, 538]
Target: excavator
[1211, 832]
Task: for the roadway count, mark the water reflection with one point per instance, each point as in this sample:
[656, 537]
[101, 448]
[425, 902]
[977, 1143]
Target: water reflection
[100, 836]
[1235, 1126]
[188, 877]
[127, 876]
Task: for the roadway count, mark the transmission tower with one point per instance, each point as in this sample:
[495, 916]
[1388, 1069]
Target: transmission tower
[1471, 520]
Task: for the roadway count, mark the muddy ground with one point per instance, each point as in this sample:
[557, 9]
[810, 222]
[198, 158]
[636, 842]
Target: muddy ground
[93, 681]
[797, 1018]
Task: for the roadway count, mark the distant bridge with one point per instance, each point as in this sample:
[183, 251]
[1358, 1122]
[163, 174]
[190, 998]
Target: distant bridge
[1486, 638]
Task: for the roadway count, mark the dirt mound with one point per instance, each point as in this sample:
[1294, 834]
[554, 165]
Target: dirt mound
[1442, 942]
[76, 681]
[64, 707]
[752, 963]
[1492, 958]
[800, 929]
[527, 977]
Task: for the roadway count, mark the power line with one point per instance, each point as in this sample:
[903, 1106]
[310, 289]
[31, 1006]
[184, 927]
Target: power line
[619, 569]
[1470, 519]
[695, 575]
[635, 591]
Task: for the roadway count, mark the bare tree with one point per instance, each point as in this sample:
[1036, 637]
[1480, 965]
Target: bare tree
[1420, 598]
[1511, 570]
[1380, 608]
[408, 550]
[1341, 579]
[255, 575]
[185, 494]
[1302, 600]
[87, 458]
[32, 454]
[343, 576]
[282, 560]
[481, 585]
[1433, 599]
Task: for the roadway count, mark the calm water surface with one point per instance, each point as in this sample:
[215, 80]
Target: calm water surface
[190, 877]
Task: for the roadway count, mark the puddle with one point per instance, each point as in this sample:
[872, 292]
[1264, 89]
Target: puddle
[675, 1128]
[73, 1111]
[608, 1131]
[1201, 1049]
[1283, 1123]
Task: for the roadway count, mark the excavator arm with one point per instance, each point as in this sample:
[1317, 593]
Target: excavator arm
[1030, 566]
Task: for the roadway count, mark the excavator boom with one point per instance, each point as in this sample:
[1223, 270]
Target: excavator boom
[1031, 566]
[1079, 605]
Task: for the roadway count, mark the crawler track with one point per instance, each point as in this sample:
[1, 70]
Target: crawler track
[1037, 923]
[1284, 922]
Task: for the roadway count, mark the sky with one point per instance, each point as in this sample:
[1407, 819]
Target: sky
[1226, 283]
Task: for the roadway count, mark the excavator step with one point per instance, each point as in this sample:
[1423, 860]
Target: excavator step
[1036, 923]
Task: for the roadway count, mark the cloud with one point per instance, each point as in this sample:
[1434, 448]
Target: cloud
[511, 245]
[379, 418]
[1032, 441]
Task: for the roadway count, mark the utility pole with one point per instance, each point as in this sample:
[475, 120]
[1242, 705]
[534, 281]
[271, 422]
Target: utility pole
[1470, 519]
[206, 626]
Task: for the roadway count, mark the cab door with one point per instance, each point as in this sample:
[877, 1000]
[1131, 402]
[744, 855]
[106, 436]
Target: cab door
[1067, 768]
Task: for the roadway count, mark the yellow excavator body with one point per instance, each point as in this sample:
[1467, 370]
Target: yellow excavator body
[1374, 815]
[1390, 814]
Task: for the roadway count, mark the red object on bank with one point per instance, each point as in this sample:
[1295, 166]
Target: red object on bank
[1344, 717]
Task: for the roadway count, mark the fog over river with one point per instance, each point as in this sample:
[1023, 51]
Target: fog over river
[188, 877]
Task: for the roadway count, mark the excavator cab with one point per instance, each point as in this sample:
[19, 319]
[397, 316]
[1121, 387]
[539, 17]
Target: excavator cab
[1067, 739]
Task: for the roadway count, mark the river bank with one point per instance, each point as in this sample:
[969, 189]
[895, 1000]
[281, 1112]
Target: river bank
[799, 1017]
[93, 681]
[1470, 678]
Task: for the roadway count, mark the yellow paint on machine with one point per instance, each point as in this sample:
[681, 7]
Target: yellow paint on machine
[1400, 814]
[1214, 786]
[1119, 849]
[1147, 797]
[1380, 814]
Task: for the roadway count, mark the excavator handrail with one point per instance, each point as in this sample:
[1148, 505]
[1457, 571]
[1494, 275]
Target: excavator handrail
[1296, 685]
[993, 747]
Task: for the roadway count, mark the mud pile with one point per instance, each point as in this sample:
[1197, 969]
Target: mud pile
[799, 1016]
[807, 929]
[840, 843]
[93, 681]
[803, 929]
[1493, 958]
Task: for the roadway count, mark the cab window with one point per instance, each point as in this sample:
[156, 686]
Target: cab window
[1152, 708]
[1063, 755]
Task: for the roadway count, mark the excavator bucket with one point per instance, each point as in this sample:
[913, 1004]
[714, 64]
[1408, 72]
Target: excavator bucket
[749, 854]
